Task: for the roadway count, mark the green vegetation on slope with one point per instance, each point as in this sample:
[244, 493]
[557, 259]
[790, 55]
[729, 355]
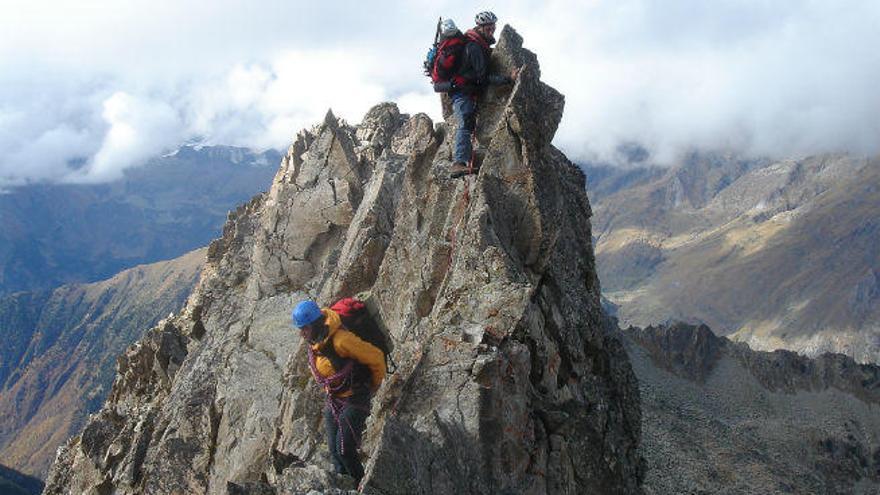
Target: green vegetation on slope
[62, 364]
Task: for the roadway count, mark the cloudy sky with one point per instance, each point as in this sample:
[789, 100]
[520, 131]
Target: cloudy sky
[90, 87]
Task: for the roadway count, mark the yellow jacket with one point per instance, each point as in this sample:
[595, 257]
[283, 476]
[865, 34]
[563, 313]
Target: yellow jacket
[348, 346]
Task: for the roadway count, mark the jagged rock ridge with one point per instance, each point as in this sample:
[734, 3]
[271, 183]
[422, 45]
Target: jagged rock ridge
[693, 352]
[718, 417]
[508, 380]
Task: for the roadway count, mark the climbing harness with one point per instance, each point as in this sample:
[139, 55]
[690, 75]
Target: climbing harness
[334, 384]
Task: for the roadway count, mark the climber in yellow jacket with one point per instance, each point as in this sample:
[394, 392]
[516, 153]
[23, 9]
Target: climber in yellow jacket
[350, 370]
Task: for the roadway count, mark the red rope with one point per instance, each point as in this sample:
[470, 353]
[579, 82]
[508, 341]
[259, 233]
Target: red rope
[473, 151]
[465, 197]
[334, 384]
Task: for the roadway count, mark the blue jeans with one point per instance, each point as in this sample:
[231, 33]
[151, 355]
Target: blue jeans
[464, 106]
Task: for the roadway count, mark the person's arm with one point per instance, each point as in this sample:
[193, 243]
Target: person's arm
[501, 79]
[478, 63]
[350, 346]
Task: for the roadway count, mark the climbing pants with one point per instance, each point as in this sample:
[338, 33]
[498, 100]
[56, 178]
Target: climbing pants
[464, 106]
[344, 431]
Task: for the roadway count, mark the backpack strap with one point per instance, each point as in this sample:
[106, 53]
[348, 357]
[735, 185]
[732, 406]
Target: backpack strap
[350, 374]
[478, 39]
[328, 351]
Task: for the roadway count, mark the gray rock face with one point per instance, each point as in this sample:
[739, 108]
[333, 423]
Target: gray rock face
[508, 379]
[688, 351]
[719, 417]
[693, 352]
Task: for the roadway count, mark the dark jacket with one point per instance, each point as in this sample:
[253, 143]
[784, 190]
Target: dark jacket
[474, 69]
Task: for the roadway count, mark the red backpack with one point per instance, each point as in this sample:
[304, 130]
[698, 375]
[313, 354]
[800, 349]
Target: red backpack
[357, 319]
[450, 53]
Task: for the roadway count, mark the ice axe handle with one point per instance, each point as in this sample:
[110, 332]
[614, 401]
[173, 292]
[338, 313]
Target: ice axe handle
[437, 33]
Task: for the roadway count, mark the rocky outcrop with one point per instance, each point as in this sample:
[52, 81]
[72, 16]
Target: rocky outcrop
[508, 379]
[719, 417]
[692, 352]
[689, 351]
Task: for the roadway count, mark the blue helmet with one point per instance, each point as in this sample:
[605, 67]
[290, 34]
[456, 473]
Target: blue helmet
[305, 313]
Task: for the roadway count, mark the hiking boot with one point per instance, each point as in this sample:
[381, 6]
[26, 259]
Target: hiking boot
[460, 169]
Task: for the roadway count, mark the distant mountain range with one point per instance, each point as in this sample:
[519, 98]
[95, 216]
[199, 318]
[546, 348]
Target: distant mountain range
[56, 234]
[718, 417]
[60, 344]
[59, 352]
[780, 254]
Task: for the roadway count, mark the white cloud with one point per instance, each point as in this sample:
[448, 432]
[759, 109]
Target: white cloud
[264, 105]
[780, 78]
[40, 158]
[138, 129]
[425, 101]
[114, 83]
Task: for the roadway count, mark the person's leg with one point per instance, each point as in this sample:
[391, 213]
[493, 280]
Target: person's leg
[352, 421]
[332, 430]
[464, 108]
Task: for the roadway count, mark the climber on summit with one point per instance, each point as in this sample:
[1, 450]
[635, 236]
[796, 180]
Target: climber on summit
[471, 80]
[350, 370]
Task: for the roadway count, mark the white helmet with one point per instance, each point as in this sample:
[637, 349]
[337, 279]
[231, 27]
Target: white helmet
[485, 18]
[448, 28]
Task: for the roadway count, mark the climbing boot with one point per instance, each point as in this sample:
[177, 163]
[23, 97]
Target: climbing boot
[460, 169]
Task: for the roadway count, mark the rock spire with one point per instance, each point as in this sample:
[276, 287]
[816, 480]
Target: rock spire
[508, 379]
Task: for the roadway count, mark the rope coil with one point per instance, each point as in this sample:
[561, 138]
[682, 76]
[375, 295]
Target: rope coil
[335, 384]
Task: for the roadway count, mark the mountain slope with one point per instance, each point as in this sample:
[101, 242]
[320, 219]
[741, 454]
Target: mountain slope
[719, 417]
[507, 380]
[780, 254]
[60, 364]
[14, 483]
[57, 234]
